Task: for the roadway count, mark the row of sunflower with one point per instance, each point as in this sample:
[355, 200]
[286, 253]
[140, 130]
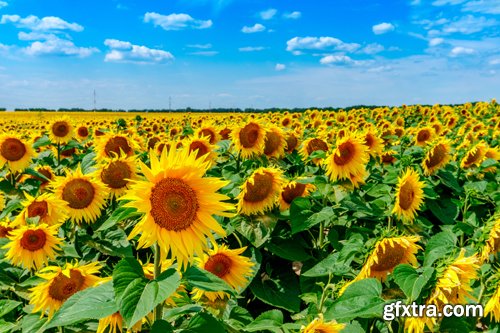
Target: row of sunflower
[280, 222]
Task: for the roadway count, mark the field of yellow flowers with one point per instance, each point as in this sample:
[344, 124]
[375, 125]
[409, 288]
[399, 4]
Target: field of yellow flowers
[237, 222]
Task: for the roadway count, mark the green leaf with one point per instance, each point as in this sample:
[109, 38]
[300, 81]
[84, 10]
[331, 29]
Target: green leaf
[324, 215]
[43, 141]
[120, 214]
[7, 305]
[448, 179]
[290, 249]
[300, 210]
[410, 281]
[438, 246]
[256, 230]
[88, 162]
[204, 323]
[6, 327]
[268, 321]
[11, 206]
[161, 326]
[361, 299]
[444, 209]
[205, 280]
[32, 323]
[237, 318]
[282, 291]
[329, 265]
[173, 313]
[91, 303]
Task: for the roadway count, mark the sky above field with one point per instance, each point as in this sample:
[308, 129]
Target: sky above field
[247, 53]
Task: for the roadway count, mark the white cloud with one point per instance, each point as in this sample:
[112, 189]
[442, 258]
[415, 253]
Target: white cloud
[482, 6]
[251, 48]
[255, 28]
[205, 53]
[34, 36]
[382, 28]
[319, 43]
[293, 15]
[122, 51]
[176, 21]
[3, 4]
[53, 45]
[268, 14]
[4, 47]
[436, 41]
[200, 46]
[373, 48]
[336, 59]
[415, 2]
[47, 23]
[494, 61]
[280, 67]
[447, 2]
[461, 51]
[468, 25]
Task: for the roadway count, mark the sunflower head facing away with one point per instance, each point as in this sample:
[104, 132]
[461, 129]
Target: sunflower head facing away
[292, 190]
[311, 145]
[409, 196]
[15, 152]
[318, 325]
[474, 156]
[178, 204]
[437, 157]
[260, 191]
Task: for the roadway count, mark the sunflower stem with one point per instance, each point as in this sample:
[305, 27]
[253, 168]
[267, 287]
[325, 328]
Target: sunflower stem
[323, 295]
[321, 237]
[58, 155]
[158, 312]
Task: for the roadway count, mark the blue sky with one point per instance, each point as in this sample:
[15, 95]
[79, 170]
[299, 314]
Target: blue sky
[247, 53]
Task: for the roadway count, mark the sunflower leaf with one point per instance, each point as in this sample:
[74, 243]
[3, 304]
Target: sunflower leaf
[204, 322]
[268, 321]
[330, 265]
[205, 280]
[412, 283]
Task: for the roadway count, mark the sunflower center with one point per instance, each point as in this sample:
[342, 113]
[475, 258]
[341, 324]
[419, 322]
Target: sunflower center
[291, 192]
[174, 204]
[78, 193]
[249, 135]
[225, 133]
[152, 142]
[389, 259]
[202, 148]
[47, 175]
[316, 144]
[60, 129]
[369, 140]
[4, 231]
[12, 149]
[406, 195]
[219, 264]
[436, 156]
[345, 153]
[208, 132]
[423, 136]
[38, 208]
[33, 240]
[62, 287]
[83, 131]
[291, 143]
[272, 143]
[68, 152]
[116, 143]
[472, 157]
[260, 189]
[115, 174]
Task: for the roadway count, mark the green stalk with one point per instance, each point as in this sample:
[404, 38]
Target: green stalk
[158, 311]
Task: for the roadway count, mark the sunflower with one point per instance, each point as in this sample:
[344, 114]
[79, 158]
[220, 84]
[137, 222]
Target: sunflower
[424, 135]
[178, 205]
[47, 173]
[492, 245]
[493, 306]
[14, 152]
[415, 324]
[388, 157]
[117, 174]
[111, 324]
[82, 132]
[229, 265]
[209, 132]
[348, 160]
[275, 142]
[409, 196]
[261, 191]
[2, 201]
[437, 157]
[48, 208]
[5, 228]
[84, 194]
[202, 146]
[374, 143]
[32, 246]
[474, 156]
[311, 145]
[292, 190]
[318, 325]
[60, 284]
[249, 140]
[114, 144]
[61, 131]
[292, 141]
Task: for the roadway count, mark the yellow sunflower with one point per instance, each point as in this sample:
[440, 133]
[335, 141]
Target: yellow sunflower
[474, 156]
[178, 204]
[47, 172]
[318, 325]
[82, 132]
[202, 146]
[409, 196]
[47, 207]
[388, 157]
[492, 307]
[114, 144]
[275, 142]
[292, 190]
[209, 132]
[117, 174]
[492, 245]
[85, 195]
[437, 157]
[60, 284]
[374, 143]
[311, 145]
[249, 139]
[348, 160]
[5, 228]
[2, 201]
[61, 131]
[261, 191]
[229, 265]
[292, 141]
[111, 324]
[14, 152]
[31, 246]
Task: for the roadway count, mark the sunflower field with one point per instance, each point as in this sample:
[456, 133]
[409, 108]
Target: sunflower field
[249, 222]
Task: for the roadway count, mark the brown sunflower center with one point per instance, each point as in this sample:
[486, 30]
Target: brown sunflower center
[423, 135]
[12, 149]
[291, 192]
[472, 157]
[436, 156]
[114, 145]
[291, 143]
[345, 153]
[261, 188]
[115, 175]
[219, 264]
[152, 142]
[78, 193]
[5, 231]
[200, 146]
[369, 140]
[62, 287]
[225, 133]
[68, 152]
[387, 158]
[38, 208]
[406, 195]
[46, 172]
[60, 129]
[389, 259]
[272, 144]
[83, 131]
[33, 240]
[208, 132]
[174, 204]
[316, 144]
[249, 135]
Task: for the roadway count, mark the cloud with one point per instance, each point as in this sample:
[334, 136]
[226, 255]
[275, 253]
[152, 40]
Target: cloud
[126, 52]
[382, 28]
[255, 28]
[293, 15]
[268, 14]
[461, 51]
[3, 4]
[415, 2]
[495, 61]
[34, 36]
[205, 53]
[435, 41]
[372, 48]
[468, 24]
[439, 3]
[53, 45]
[340, 59]
[482, 6]
[251, 48]
[176, 21]
[296, 44]
[280, 67]
[200, 46]
[47, 23]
